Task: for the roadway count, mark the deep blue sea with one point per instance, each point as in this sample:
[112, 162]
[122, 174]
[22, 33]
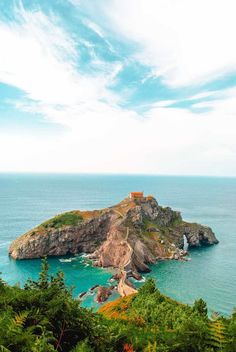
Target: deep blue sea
[28, 199]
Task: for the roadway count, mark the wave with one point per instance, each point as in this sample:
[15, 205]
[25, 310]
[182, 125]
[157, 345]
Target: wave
[83, 255]
[67, 260]
[142, 280]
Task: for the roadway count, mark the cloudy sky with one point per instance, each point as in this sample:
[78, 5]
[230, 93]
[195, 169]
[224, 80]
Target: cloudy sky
[117, 86]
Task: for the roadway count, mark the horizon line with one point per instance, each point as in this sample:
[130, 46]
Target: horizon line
[110, 174]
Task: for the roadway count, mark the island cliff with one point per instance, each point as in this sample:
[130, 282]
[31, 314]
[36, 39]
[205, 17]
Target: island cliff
[129, 236]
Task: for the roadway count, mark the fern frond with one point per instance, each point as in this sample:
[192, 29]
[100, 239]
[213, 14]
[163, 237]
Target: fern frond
[217, 334]
[20, 319]
[4, 349]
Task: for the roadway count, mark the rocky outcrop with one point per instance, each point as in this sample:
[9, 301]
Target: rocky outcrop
[66, 239]
[103, 293]
[128, 236]
[198, 235]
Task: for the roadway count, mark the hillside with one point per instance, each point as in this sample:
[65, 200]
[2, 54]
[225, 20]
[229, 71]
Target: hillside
[44, 317]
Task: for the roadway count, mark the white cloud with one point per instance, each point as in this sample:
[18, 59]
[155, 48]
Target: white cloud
[75, 2]
[168, 141]
[203, 95]
[108, 139]
[186, 41]
[94, 27]
[39, 57]
[99, 135]
[164, 103]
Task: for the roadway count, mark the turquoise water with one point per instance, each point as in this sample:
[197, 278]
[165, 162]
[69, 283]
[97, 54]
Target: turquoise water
[27, 200]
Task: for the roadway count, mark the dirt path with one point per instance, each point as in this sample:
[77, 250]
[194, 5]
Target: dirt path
[124, 287]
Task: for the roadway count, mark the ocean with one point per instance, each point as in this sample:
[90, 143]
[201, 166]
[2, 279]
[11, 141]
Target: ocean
[26, 200]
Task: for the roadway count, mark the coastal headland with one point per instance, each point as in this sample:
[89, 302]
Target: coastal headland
[128, 237]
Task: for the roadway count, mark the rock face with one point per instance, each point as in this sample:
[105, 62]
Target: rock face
[128, 236]
[198, 235]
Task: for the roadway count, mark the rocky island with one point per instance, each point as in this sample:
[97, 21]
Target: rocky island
[128, 236]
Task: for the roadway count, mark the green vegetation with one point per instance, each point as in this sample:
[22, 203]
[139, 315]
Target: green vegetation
[44, 317]
[65, 219]
[162, 324]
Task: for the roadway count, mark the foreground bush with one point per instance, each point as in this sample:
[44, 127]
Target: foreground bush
[44, 317]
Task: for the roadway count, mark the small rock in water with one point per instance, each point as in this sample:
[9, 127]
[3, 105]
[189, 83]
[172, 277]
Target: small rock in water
[103, 293]
[136, 275]
[81, 295]
[93, 287]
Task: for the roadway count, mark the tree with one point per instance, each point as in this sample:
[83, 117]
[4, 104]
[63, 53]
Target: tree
[200, 307]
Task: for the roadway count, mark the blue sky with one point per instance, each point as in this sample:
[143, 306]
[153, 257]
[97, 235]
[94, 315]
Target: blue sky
[145, 86]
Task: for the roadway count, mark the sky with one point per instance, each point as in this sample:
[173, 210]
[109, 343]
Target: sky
[117, 86]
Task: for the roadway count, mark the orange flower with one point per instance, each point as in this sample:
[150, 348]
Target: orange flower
[128, 348]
